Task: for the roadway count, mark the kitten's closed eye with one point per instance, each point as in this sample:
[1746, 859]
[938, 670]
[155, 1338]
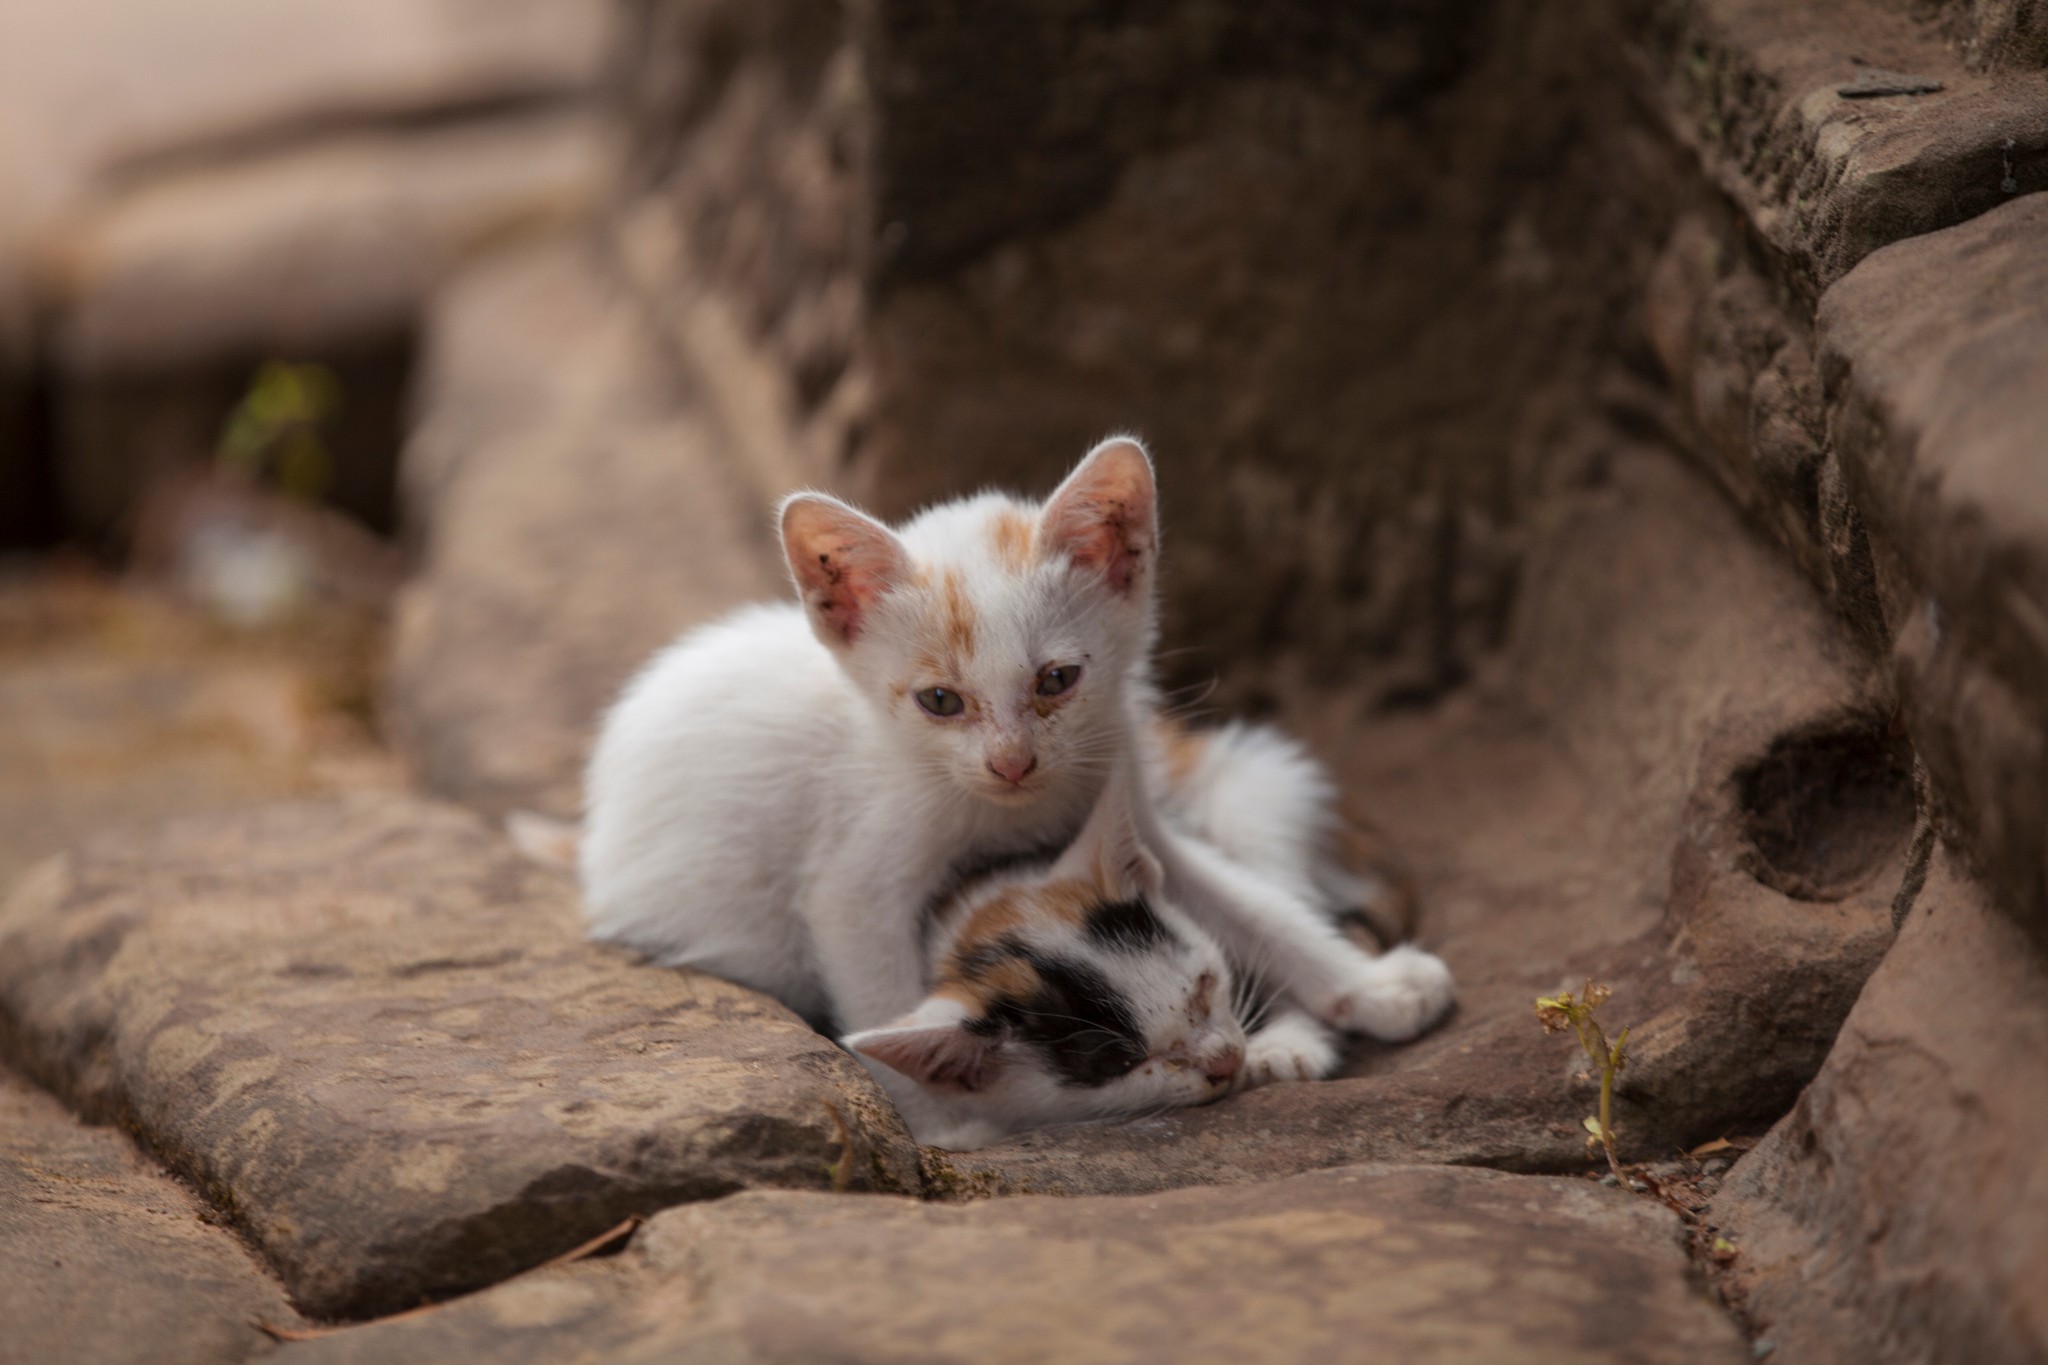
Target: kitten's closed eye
[1057, 679]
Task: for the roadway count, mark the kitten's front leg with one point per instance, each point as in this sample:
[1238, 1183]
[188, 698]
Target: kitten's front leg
[1291, 1047]
[865, 932]
[1392, 997]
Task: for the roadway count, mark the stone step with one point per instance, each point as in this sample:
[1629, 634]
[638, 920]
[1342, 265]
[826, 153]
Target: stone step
[105, 1260]
[1836, 128]
[371, 1031]
[1360, 1263]
[1900, 1211]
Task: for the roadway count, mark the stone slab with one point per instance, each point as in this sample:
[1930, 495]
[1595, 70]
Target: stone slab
[1363, 1263]
[1756, 88]
[370, 1031]
[1934, 354]
[105, 1260]
[1900, 1211]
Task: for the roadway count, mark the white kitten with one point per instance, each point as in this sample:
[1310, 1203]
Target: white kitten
[784, 797]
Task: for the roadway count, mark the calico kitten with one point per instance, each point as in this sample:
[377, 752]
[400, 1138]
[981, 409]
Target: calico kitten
[1074, 992]
[779, 797]
[1081, 992]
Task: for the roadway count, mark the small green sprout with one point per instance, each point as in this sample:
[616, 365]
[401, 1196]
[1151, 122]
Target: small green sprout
[1564, 1011]
[276, 428]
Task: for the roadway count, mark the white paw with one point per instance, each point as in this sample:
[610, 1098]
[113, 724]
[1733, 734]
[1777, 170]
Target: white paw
[1293, 1047]
[1395, 997]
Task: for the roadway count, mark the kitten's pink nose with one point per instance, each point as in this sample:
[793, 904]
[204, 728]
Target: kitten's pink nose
[1224, 1065]
[1013, 768]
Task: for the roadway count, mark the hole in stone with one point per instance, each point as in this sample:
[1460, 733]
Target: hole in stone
[1824, 809]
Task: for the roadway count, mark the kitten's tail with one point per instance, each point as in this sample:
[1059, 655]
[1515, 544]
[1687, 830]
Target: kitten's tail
[551, 843]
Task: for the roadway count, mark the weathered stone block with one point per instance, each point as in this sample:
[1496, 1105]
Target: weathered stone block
[1900, 1211]
[1367, 1262]
[1838, 129]
[1934, 357]
[370, 1031]
[105, 1260]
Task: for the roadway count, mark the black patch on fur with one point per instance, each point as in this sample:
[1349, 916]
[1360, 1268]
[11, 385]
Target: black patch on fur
[1075, 1018]
[1126, 926]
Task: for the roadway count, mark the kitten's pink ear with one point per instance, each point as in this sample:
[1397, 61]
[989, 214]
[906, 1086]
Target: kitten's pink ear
[939, 1052]
[1109, 853]
[1105, 516]
[843, 560]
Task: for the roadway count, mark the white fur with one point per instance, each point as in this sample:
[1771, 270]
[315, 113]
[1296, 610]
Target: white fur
[778, 809]
[1289, 1047]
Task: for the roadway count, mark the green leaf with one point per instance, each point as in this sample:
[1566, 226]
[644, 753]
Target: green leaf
[1592, 1122]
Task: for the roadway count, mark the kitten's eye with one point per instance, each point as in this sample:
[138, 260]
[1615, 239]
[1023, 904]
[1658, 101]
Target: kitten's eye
[1053, 681]
[940, 701]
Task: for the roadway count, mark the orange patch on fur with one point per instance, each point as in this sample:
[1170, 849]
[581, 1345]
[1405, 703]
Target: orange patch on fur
[1008, 978]
[1069, 902]
[1010, 533]
[958, 612]
[1365, 853]
[998, 915]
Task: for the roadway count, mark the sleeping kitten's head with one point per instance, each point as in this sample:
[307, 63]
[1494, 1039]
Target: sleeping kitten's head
[1075, 993]
[996, 636]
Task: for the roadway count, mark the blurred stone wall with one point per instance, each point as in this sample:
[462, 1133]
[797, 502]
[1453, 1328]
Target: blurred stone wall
[1349, 269]
[189, 191]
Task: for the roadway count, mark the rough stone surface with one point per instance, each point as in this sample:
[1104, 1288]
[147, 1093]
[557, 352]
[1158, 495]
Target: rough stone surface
[1608, 806]
[1934, 355]
[1890, 437]
[104, 1260]
[166, 299]
[124, 707]
[370, 1031]
[574, 512]
[1822, 177]
[1900, 1211]
[1367, 1263]
[89, 96]
[994, 236]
